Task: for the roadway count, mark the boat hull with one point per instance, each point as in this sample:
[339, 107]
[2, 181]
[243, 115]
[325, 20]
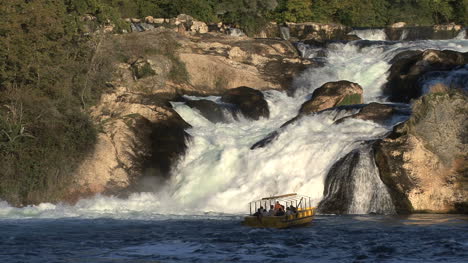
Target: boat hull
[302, 218]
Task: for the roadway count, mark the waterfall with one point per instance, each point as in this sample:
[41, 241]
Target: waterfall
[369, 34]
[285, 33]
[461, 35]
[404, 34]
[220, 174]
[353, 186]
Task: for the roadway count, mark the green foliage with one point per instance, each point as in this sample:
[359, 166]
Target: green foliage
[351, 100]
[293, 11]
[45, 63]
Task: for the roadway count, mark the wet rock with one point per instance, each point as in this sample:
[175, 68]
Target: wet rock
[333, 94]
[424, 160]
[209, 109]
[250, 102]
[375, 112]
[403, 81]
[168, 144]
[411, 33]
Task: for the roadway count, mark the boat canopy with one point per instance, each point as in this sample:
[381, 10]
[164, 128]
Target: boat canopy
[301, 202]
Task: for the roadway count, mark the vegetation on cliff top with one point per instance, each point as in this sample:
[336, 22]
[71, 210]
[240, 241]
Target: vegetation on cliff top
[250, 14]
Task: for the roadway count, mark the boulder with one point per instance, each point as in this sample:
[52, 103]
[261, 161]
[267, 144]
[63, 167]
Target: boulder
[199, 27]
[403, 81]
[424, 161]
[142, 68]
[398, 25]
[333, 94]
[250, 102]
[375, 112]
[209, 109]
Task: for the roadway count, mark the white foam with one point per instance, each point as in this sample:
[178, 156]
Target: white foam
[367, 66]
[369, 34]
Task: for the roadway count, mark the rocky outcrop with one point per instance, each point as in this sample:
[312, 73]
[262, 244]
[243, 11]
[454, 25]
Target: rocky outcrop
[303, 31]
[250, 102]
[215, 63]
[376, 112]
[139, 136]
[424, 160]
[164, 62]
[209, 109]
[399, 31]
[333, 94]
[403, 81]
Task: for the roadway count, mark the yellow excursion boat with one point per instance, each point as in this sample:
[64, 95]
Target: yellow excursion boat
[301, 212]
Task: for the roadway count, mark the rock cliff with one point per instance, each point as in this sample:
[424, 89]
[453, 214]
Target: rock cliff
[423, 161]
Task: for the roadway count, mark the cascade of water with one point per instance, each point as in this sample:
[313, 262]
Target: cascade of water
[353, 186]
[219, 171]
[285, 32]
[370, 195]
[461, 35]
[370, 34]
[404, 34]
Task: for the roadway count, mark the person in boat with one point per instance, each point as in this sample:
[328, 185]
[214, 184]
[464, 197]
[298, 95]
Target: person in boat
[272, 211]
[293, 209]
[280, 212]
[278, 206]
[288, 211]
[259, 212]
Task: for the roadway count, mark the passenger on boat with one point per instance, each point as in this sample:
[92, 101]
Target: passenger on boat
[259, 212]
[280, 212]
[278, 206]
[288, 211]
[293, 209]
[272, 211]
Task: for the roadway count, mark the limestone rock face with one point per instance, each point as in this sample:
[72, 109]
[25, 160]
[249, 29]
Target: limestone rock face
[132, 137]
[250, 102]
[424, 161]
[407, 69]
[333, 94]
[217, 62]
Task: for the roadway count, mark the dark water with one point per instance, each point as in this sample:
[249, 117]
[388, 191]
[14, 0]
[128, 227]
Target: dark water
[417, 238]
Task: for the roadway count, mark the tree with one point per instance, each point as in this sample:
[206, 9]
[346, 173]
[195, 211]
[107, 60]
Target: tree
[293, 11]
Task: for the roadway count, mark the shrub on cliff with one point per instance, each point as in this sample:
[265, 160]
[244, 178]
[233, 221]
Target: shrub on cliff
[48, 73]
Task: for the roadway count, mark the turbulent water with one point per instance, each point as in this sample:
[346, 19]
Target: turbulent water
[418, 238]
[196, 216]
[370, 34]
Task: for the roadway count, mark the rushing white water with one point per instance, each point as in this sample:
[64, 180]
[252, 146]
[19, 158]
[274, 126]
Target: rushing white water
[370, 195]
[366, 65]
[219, 172]
[457, 78]
[369, 34]
[461, 35]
